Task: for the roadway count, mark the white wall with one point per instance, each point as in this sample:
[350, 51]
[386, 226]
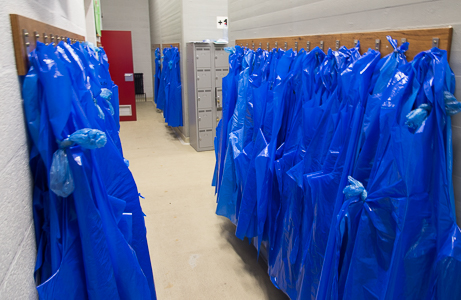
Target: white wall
[132, 15]
[89, 21]
[199, 19]
[17, 240]
[273, 18]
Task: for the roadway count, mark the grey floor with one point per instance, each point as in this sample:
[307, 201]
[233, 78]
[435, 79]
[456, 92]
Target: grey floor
[194, 252]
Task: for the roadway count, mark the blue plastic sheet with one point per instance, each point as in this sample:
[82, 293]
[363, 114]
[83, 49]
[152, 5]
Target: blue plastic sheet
[168, 95]
[340, 165]
[91, 241]
[158, 74]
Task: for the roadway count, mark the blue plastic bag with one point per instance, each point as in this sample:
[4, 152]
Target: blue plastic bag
[85, 237]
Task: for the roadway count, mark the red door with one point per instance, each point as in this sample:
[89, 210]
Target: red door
[117, 45]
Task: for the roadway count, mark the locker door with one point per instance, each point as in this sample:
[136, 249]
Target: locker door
[218, 98]
[205, 119]
[204, 99]
[221, 58]
[206, 138]
[203, 56]
[204, 79]
[220, 74]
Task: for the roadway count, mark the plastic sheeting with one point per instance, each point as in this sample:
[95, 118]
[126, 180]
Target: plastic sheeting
[92, 243]
[158, 74]
[168, 97]
[340, 165]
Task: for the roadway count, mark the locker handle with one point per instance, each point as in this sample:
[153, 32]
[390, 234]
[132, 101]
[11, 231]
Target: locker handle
[199, 118]
[216, 77]
[198, 98]
[198, 78]
[198, 57]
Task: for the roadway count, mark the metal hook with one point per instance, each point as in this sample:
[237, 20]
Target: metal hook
[321, 45]
[337, 44]
[377, 44]
[308, 46]
[435, 42]
[25, 35]
[296, 46]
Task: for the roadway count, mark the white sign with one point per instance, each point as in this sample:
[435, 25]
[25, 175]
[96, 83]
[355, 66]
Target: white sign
[221, 22]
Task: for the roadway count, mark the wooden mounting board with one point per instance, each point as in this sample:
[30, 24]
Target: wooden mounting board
[155, 46]
[20, 24]
[419, 39]
[173, 44]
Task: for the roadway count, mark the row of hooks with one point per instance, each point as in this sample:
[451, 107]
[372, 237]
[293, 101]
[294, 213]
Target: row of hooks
[435, 43]
[44, 38]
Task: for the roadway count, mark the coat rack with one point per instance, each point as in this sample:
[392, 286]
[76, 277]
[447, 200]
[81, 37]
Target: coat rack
[26, 33]
[168, 46]
[419, 39]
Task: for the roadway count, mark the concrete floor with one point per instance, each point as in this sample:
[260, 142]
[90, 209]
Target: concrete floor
[194, 252]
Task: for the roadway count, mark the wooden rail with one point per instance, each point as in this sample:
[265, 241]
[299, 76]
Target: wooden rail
[173, 44]
[419, 39]
[26, 32]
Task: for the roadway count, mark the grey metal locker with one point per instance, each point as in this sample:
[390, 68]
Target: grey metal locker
[207, 64]
[221, 58]
[220, 74]
[205, 119]
[204, 79]
[203, 57]
[206, 138]
[204, 99]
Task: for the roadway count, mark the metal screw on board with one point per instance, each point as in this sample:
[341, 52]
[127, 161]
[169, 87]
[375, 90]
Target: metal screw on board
[435, 42]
